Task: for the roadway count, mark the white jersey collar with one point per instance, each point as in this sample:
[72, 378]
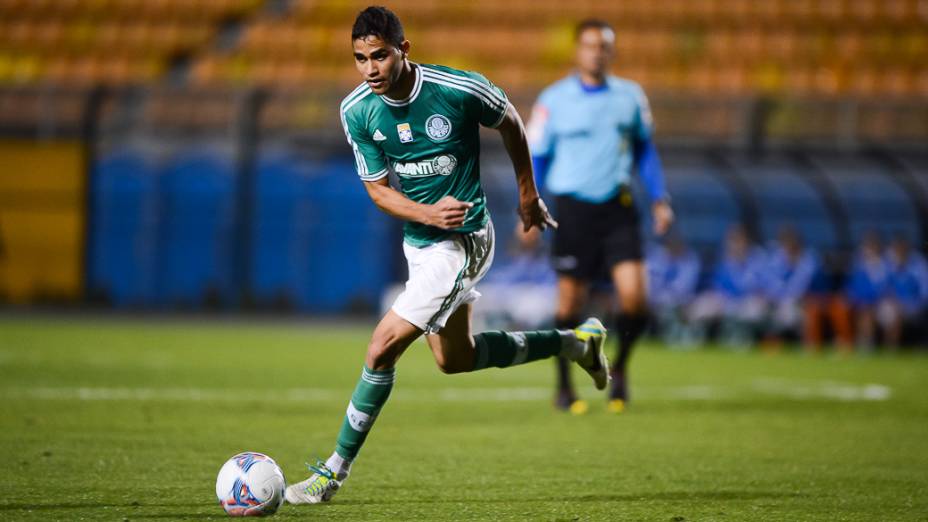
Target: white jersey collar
[417, 86]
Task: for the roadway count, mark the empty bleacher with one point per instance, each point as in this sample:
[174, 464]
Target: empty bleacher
[862, 48]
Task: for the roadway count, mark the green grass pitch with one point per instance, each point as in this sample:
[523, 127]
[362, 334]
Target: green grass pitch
[104, 419]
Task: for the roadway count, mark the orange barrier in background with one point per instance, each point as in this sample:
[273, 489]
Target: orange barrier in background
[41, 221]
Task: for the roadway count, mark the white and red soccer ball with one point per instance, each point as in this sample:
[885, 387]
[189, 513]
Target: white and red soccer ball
[250, 485]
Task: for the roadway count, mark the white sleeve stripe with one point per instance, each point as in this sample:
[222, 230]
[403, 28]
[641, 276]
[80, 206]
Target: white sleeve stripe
[360, 162]
[345, 128]
[470, 81]
[346, 105]
[500, 120]
[356, 95]
[489, 99]
[359, 159]
[480, 85]
[492, 103]
[375, 176]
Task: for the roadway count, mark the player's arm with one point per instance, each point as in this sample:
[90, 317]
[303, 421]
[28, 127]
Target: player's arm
[532, 209]
[448, 213]
[652, 176]
[541, 139]
[649, 167]
[372, 167]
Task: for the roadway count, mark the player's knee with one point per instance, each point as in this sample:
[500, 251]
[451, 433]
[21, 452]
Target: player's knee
[451, 366]
[449, 359]
[381, 354]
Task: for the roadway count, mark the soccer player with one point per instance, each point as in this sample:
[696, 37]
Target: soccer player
[422, 122]
[586, 133]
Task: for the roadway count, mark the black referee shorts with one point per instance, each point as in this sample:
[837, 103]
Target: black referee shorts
[592, 237]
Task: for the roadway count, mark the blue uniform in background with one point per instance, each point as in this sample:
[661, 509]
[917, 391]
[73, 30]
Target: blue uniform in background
[868, 281]
[737, 279]
[585, 142]
[672, 279]
[908, 283]
[790, 280]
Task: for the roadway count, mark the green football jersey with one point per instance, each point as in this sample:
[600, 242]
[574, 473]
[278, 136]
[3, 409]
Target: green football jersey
[430, 140]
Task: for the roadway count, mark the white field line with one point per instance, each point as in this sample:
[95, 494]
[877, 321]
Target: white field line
[764, 387]
[839, 391]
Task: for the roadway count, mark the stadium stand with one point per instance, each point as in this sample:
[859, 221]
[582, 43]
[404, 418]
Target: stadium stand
[811, 112]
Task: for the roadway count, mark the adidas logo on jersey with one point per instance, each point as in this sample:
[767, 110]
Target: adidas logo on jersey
[378, 136]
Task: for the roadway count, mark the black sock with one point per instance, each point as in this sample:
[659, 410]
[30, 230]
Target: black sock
[564, 383]
[628, 327]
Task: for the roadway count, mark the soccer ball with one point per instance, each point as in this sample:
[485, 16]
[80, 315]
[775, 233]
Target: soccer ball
[250, 484]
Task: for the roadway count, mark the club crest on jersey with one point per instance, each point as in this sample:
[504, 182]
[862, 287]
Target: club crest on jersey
[405, 132]
[444, 164]
[438, 127]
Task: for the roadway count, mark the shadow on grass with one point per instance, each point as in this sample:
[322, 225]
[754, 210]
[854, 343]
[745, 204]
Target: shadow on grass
[215, 514]
[139, 510]
[87, 505]
[625, 497]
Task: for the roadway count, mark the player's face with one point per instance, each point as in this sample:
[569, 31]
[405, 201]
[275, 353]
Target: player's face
[379, 63]
[595, 48]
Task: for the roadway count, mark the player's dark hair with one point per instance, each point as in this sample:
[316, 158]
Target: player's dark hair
[590, 23]
[380, 22]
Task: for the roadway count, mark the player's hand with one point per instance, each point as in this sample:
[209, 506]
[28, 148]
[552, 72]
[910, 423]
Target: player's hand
[534, 213]
[448, 213]
[663, 217]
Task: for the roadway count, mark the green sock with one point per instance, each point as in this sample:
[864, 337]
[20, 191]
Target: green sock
[368, 398]
[503, 349]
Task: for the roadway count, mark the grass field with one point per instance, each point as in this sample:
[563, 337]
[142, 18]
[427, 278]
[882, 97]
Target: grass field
[107, 419]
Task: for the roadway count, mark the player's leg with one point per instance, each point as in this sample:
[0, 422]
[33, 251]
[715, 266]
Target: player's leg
[839, 313]
[572, 294]
[890, 317]
[576, 256]
[628, 277]
[390, 339]
[456, 350]
[624, 256]
[453, 346]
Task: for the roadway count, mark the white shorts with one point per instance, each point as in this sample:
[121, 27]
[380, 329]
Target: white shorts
[442, 277]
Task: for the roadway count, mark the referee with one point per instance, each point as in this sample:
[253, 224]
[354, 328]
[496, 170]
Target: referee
[587, 132]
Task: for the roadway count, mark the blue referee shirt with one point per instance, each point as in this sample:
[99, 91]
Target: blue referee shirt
[589, 135]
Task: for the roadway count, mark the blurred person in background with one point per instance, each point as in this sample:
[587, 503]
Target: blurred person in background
[791, 271]
[422, 122]
[587, 133]
[867, 286]
[826, 311]
[736, 301]
[673, 275]
[904, 306]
